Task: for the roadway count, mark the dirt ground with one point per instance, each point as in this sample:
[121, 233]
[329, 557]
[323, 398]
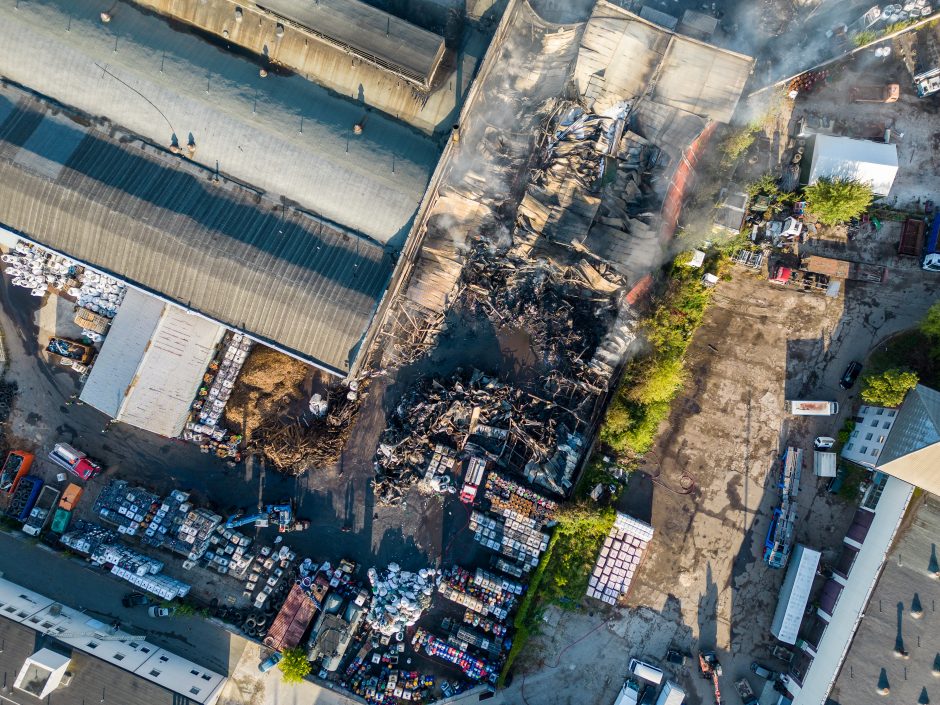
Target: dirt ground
[703, 584]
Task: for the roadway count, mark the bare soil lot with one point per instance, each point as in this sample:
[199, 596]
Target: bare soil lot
[704, 584]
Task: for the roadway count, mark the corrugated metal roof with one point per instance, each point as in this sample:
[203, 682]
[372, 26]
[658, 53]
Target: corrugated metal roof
[368, 31]
[151, 364]
[283, 134]
[125, 345]
[912, 451]
[164, 225]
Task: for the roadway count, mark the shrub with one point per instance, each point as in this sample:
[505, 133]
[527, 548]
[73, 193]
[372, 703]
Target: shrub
[889, 387]
[736, 144]
[837, 200]
[294, 665]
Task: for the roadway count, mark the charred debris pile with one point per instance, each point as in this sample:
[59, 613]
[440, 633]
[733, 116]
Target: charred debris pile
[580, 239]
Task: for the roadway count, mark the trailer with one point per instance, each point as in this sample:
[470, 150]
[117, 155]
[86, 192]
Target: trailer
[24, 497]
[931, 257]
[799, 407]
[912, 238]
[41, 511]
[844, 269]
[15, 466]
[882, 93]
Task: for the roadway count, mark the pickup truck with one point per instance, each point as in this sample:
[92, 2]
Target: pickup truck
[744, 690]
[42, 509]
[75, 461]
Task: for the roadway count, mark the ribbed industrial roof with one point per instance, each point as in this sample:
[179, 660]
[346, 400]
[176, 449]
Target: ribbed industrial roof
[283, 134]
[378, 36]
[168, 226]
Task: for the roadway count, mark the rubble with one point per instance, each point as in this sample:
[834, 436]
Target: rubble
[516, 429]
[295, 443]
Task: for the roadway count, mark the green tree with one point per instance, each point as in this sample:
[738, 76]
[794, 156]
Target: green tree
[930, 326]
[837, 200]
[889, 387]
[294, 665]
[659, 381]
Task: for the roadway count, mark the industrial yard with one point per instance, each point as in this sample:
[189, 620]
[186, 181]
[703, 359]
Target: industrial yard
[314, 360]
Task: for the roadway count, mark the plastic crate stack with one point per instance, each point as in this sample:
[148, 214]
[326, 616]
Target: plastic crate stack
[196, 531]
[85, 537]
[130, 508]
[474, 668]
[164, 527]
[519, 539]
[236, 352]
[129, 560]
[228, 552]
[161, 585]
[460, 587]
[619, 558]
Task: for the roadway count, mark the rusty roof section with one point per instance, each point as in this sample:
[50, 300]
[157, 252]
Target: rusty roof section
[292, 621]
[837, 268]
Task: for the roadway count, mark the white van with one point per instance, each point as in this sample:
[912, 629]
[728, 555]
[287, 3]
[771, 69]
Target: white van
[811, 408]
[648, 673]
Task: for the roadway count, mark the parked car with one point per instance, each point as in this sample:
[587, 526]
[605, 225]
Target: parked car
[850, 375]
[762, 671]
[270, 662]
[157, 611]
[824, 442]
[676, 657]
[136, 599]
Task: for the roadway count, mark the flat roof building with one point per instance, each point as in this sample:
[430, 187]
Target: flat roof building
[170, 227]
[912, 449]
[894, 655]
[151, 364]
[831, 157]
[63, 656]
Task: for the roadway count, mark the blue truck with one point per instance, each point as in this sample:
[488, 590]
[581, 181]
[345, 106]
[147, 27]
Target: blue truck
[931, 258]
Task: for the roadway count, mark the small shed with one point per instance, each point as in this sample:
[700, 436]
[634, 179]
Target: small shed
[873, 163]
[824, 464]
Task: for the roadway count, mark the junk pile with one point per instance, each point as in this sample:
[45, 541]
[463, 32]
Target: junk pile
[102, 547]
[212, 397]
[517, 430]
[38, 270]
[482, 592]
[294, 443]
[99, 293]
[399, 597]
[474, 668]
[619, 559]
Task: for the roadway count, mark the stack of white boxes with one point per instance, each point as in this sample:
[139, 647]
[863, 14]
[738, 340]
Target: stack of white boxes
[619, 558]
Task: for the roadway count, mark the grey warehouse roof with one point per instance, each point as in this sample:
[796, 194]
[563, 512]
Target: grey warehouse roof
[376, 35]
[283, 134]
[168, 226]
[912, 451]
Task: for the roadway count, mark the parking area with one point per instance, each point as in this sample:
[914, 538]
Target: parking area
[704, 585]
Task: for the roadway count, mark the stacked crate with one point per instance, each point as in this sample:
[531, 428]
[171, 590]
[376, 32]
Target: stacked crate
[619, 558]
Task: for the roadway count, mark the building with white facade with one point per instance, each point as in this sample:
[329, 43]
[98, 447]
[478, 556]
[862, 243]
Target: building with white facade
[872, 424]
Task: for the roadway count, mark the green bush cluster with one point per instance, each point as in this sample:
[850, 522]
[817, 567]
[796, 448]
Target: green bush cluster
[835, 201]
[651, 382]
[294, 665]
[562, 574]
[888, 388]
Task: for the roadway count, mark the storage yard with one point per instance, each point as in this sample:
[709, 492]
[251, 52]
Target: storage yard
[282, 373]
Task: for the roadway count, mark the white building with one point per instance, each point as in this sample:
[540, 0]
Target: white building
[831, 157]
[66, 636]
[872, 424]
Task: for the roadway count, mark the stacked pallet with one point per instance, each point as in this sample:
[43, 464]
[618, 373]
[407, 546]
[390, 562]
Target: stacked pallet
[619, 558]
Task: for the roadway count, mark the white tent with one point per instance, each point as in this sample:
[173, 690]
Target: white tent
[873, 163]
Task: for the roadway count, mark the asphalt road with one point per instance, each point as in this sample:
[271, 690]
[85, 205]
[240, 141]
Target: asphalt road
[75, 583]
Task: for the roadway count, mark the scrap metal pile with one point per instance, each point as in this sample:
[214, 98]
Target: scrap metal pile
[296, 443]
[518, 430]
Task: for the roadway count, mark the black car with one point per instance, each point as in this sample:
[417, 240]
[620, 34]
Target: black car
[135, 599]
[850, 375]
